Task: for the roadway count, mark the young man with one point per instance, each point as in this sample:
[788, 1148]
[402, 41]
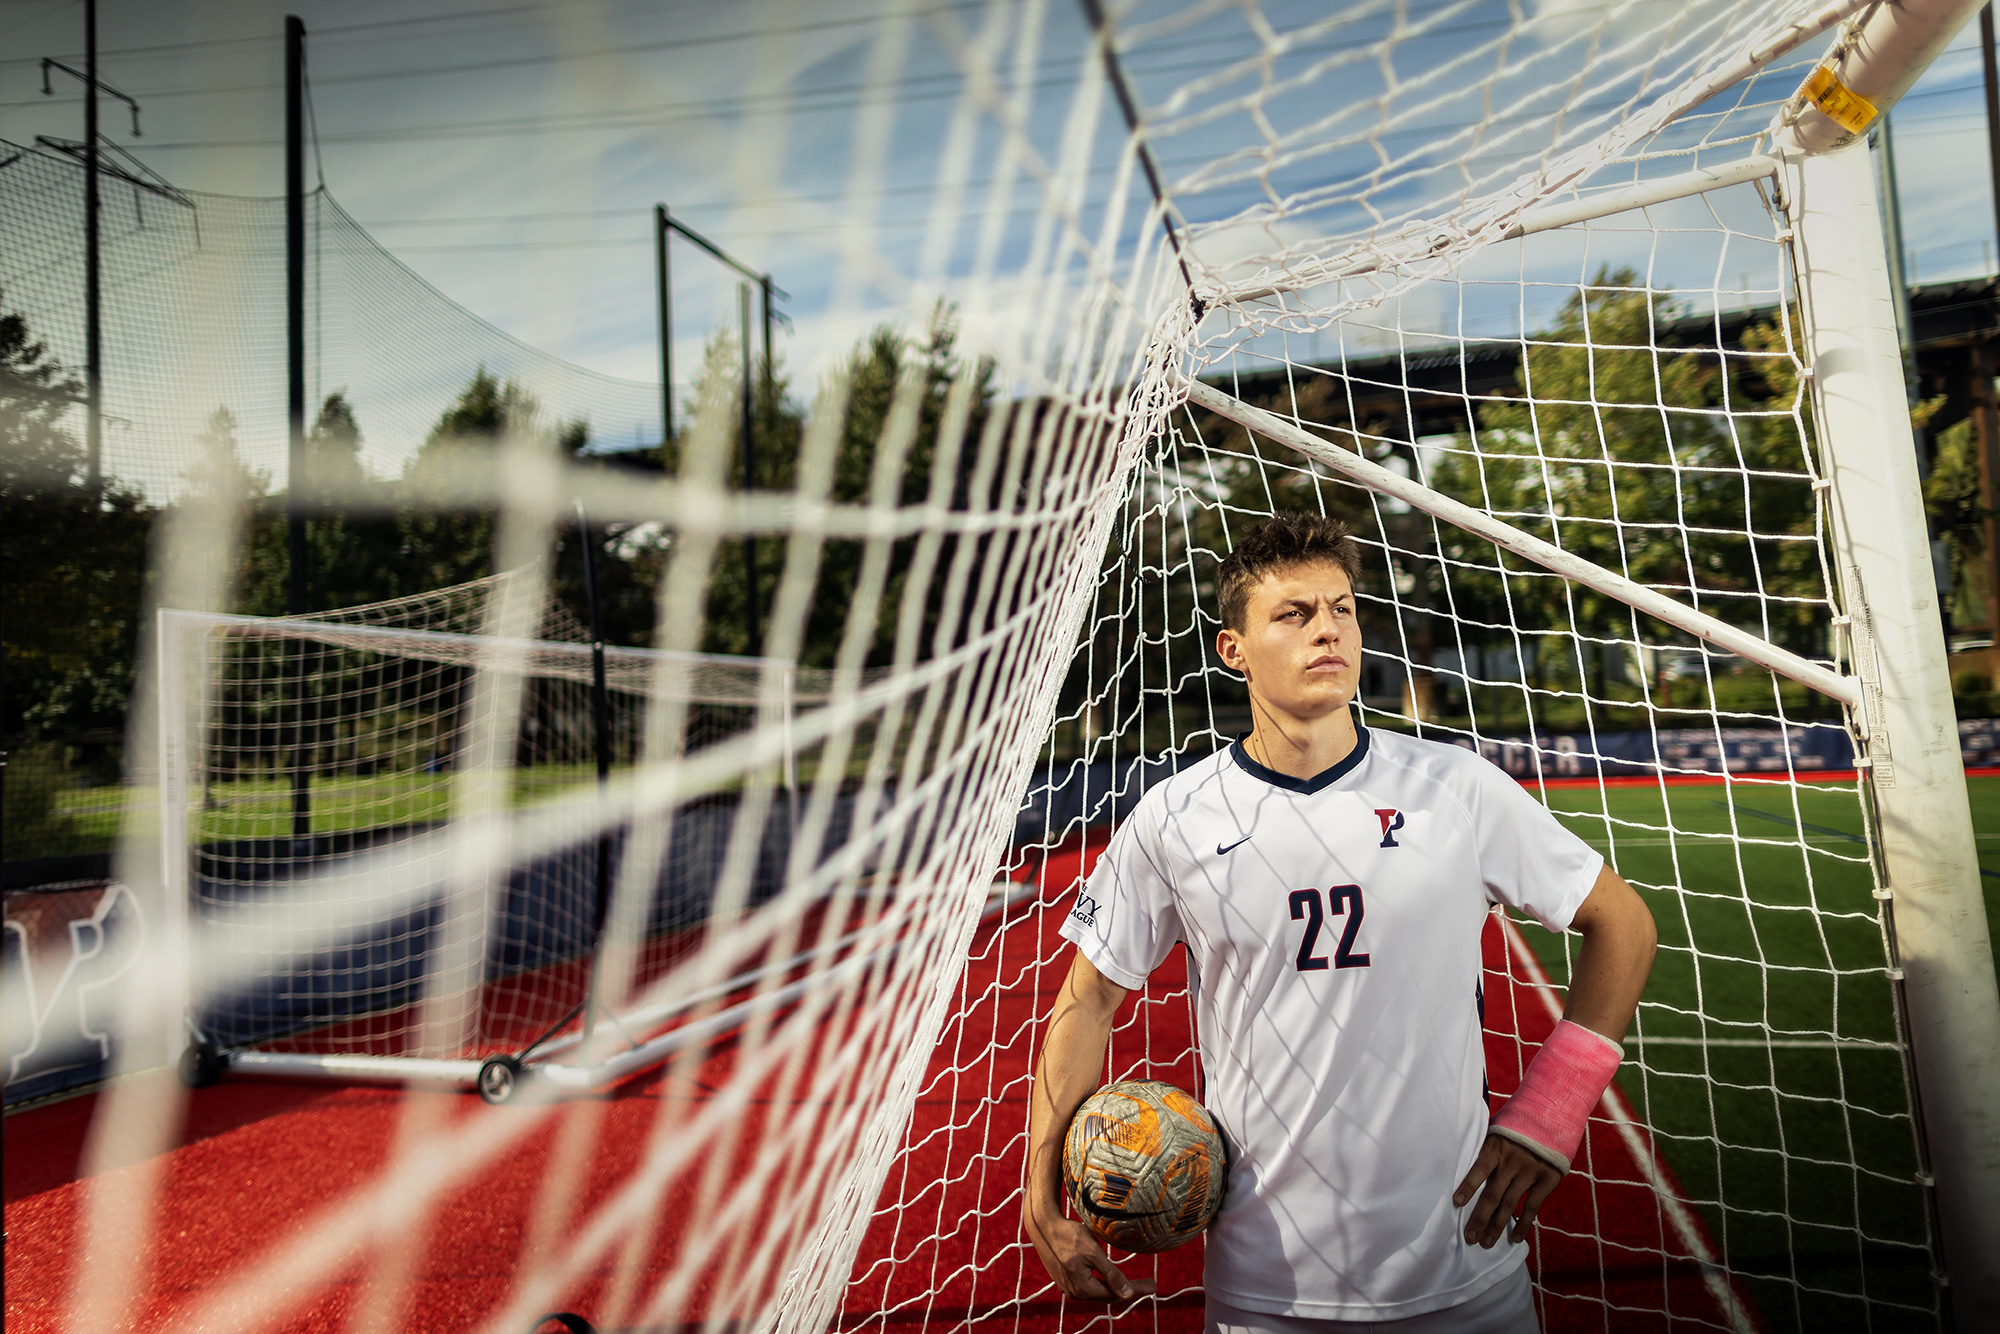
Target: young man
[1331, 884]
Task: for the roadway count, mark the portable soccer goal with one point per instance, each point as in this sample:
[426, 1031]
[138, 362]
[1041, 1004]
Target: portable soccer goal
[1578, 314]
[338, 757]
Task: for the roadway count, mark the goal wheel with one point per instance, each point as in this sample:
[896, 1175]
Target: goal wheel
[499, 1079]
[202, 1064]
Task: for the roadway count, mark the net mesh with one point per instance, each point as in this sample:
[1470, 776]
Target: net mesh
[1757, 1159]
[1629, 389]
[1018, 550]
[343, 736]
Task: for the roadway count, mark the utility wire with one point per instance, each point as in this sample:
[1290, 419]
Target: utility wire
[844, 97]
[820, 25]
[1063, 63]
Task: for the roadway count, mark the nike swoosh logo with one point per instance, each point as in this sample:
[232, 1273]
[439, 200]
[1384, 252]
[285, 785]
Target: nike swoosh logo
[1222, 851]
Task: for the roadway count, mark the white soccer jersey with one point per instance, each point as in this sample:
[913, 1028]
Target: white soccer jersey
[1333, 928]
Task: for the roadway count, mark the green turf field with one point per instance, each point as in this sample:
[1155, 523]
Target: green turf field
[1761, 1059]
[261, 807]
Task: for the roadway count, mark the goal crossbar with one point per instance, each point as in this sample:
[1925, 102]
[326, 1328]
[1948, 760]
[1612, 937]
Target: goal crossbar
[452, 648]
[1375, 477]
[1757, 166]
[1548, 218]
[1372, 259]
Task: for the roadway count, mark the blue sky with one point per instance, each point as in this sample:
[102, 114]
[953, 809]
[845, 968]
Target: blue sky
[510, 153]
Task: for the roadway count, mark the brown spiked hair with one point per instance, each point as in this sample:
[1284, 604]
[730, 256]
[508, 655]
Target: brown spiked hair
[1281, 542]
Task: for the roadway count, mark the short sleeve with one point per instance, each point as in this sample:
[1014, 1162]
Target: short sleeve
[1124, 920]
[1528, 858]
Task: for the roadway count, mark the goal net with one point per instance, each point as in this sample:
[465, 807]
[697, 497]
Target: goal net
[339, 751]
[1628, 390]
[1606, 356]
[1516, 293]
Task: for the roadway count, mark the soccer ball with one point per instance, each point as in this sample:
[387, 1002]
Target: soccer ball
[1145, 1166]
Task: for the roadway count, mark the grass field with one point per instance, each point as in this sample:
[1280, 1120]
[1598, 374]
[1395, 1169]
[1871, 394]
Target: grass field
[262, 807]
[1763, 1057]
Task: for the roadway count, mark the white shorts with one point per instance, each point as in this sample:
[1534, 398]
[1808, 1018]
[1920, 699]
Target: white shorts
[1508, 1307]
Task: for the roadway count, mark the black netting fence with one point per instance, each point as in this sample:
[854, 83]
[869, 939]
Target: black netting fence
[194, 321]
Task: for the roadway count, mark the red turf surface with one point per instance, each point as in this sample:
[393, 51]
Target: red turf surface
[256, 1162]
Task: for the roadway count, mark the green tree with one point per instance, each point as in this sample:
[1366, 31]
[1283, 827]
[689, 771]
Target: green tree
[1670, 464]
[219, 476]
[1951, 495]
[354, 544]
[333, 450]
[75, 562]
[1597, 456]
[872, 371]
[218, 471]
[442, 545]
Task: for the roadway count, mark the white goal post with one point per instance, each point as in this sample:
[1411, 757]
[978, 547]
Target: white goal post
[1942, 960]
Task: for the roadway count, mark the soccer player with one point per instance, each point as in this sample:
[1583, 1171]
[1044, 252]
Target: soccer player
[1331, 883]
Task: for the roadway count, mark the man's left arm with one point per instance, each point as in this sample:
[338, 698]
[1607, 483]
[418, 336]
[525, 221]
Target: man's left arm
[1605, 983]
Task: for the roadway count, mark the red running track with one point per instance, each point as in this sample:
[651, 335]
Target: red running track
[260, 1161]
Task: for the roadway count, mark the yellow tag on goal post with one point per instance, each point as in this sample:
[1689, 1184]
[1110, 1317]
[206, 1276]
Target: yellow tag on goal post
[1837, 102]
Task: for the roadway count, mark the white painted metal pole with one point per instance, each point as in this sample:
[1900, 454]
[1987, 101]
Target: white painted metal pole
[177, 901]
[1643, 195]
[1373, 258]
[1882, 554]
[1876, 59]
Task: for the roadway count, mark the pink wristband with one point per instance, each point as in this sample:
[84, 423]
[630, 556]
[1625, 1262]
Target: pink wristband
[1563, 1083]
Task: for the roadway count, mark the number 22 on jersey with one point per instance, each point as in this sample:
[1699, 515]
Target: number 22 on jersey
[1341, 901]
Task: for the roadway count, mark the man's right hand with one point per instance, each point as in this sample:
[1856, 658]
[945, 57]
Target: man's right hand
[1072, 1057]
[1076, 1262]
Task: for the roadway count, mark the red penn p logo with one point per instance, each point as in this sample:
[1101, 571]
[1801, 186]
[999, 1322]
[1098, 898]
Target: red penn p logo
[1392, 820]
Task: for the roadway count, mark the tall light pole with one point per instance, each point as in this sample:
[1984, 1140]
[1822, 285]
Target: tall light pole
[298, 482]
[93, 267]
[660, 275]
[753, 629]
[295, 306]
[663, 223]
[93, 275]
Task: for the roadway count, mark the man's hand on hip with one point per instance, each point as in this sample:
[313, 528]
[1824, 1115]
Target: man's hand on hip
[1510, 1174]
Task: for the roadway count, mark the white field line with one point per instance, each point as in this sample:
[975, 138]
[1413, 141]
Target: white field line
[1717, 837]
[1822, 1044]
[1620, 1114]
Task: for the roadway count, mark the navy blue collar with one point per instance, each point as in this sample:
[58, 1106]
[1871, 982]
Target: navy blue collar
[1323, 779]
